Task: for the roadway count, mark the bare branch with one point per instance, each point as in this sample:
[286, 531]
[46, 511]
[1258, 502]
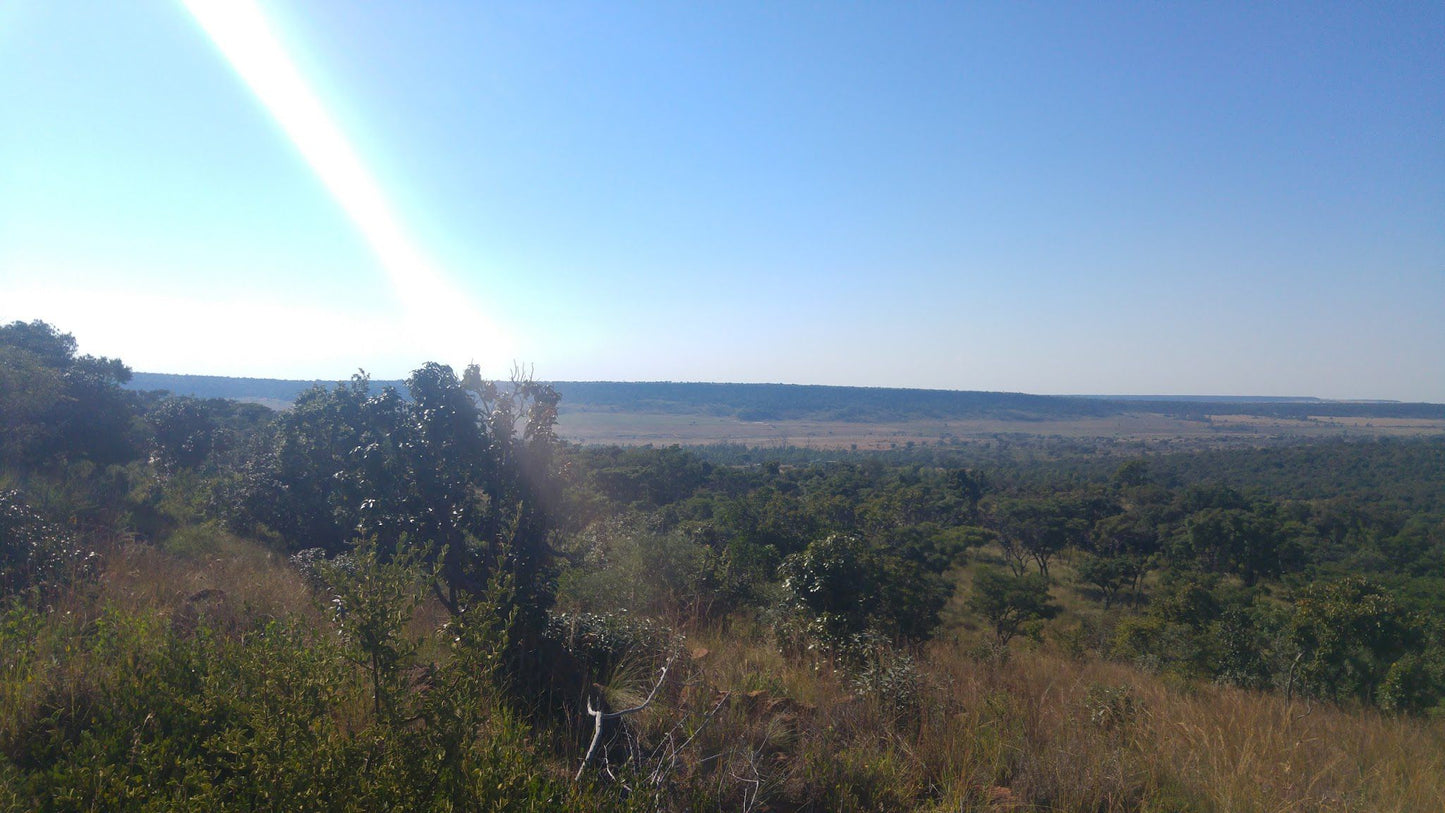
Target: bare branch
[658, 772]
[599, 717]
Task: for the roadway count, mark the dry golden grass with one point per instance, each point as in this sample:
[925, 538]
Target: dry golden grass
[1032, 731]
[1247, 751]
[207, 565]
[740, 726]
[1177, 746]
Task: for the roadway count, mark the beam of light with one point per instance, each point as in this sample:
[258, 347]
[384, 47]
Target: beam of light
[300, 340]
[433, 307]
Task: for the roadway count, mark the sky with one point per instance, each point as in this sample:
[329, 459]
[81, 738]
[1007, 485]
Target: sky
[1122, 198]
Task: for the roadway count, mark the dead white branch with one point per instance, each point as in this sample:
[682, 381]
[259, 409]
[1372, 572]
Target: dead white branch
[600, 717]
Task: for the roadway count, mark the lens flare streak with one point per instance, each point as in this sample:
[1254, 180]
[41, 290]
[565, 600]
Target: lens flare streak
[432, 305]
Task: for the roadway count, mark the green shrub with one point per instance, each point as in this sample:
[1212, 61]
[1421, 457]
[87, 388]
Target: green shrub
[840, 587]
[892, 679]
[371, 603]
[128, 711]
[1413, 684]
[36, 556]
[602, 641]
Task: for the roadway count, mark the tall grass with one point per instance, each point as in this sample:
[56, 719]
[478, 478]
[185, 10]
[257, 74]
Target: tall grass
[199, 672]
[1035, 731]
[200, 677]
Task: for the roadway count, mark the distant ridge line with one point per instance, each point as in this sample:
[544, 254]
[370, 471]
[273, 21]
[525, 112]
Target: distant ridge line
[821, 402]
[1238, 399]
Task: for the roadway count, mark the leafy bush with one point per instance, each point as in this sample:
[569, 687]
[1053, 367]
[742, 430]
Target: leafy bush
[627, 565]
[1350, 634]
[36, 556]
[1159, 645]
[892, 678]
[130, 712]
[1243, 649]
[602, 641]
[371, 602]
[840, 586]
[1414, 683]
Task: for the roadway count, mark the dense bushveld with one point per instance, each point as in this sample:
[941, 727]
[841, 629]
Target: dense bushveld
[377, 600]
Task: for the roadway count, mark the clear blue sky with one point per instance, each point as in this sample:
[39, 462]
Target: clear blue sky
[1053, 198]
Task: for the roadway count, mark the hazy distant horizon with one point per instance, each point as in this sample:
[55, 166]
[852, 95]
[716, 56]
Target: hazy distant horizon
[1186, 397]
[1068, 198]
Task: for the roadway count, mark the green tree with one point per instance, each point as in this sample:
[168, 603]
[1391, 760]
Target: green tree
[42, 341]
[1124, 547]
[1110, 574]
[58, 407]
[1010, 602]
[833, 582]
[1231, 540]
[843, 586]
[29, 390]
[968, 486]
[35, 556]
[1132, 474]
[183, 433]
[462, 471]
[1349, 634]
[1036, 530]
[299, 481]
[371, 602]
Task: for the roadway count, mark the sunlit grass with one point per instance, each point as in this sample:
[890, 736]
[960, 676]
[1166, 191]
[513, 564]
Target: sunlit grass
[740, 725]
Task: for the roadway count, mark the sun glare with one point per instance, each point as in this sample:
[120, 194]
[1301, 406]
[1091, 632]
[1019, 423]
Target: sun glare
[436, 310]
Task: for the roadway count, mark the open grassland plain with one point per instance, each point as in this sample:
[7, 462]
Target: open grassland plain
[664, 429]
[772, 415]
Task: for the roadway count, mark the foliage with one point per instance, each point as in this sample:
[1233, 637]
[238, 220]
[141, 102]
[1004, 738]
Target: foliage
[36, 558]
[1235, 541]
[438, 524]
[604, 642]
[1111, 707]
[1350, 635]
[58, 406]
[1011, 603]
[238, 721]
[834, 583]
[371, 603]
[890, 677]
[622, 565]
[840, 586]
[461, 471]
[183, 433]
[1110, 574]
[1035, 530]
